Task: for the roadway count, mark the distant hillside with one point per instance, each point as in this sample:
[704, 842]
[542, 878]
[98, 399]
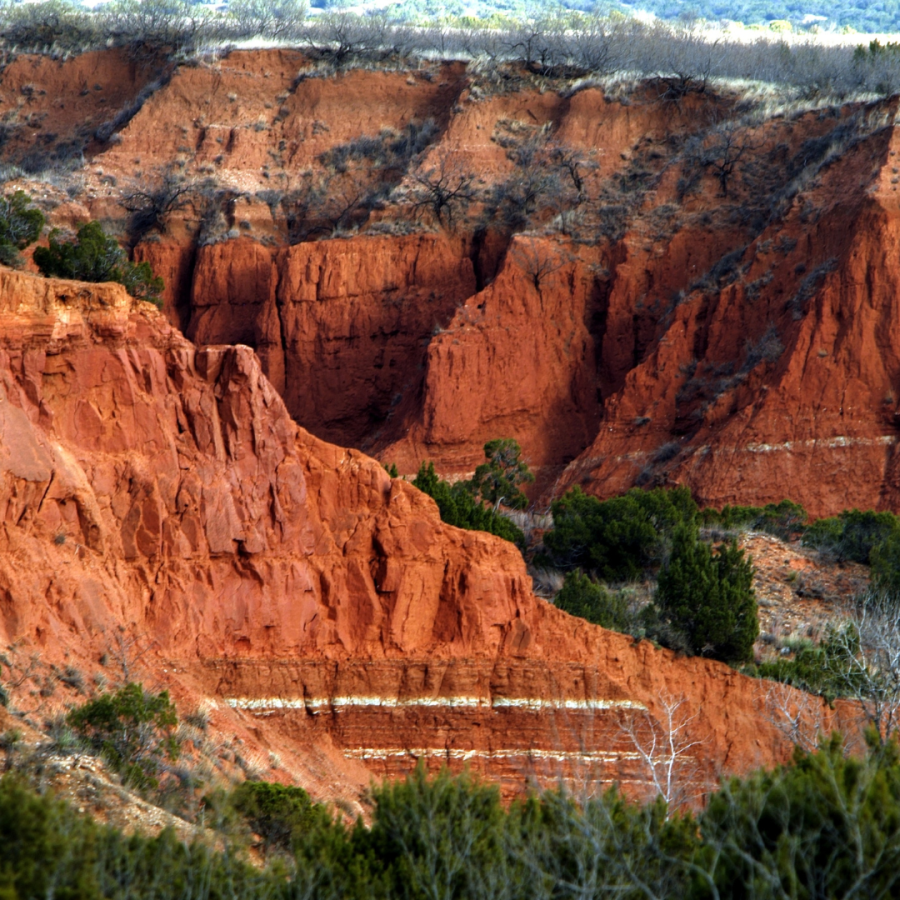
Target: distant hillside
[880, 17]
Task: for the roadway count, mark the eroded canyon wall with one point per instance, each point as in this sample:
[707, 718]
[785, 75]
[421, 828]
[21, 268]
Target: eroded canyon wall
[151, 488]
[721, 321]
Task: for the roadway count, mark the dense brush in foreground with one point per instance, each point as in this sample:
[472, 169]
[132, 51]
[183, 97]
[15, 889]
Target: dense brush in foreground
[825, 826]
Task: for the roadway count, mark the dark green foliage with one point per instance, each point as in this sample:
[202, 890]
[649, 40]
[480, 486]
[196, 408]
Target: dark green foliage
[826, 668]
[497, 480]
[279, 814]
[580, 596]
[93, 256]
[20, 225]
[785, 519]
[852, 535]
[133, 729]
[885, 560]
[618, 539]
[458, 507]
[708, 596]
[825, 826]
[20, 222]
[47, 850]
[392, 470]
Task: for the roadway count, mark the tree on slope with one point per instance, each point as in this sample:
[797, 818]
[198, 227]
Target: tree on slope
[708, 595]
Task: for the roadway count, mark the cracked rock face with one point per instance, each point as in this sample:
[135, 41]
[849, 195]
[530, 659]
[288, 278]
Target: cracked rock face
[162, 492]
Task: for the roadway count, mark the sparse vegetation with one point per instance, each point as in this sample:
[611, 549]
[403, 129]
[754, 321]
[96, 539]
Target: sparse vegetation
[704, 602]
[133, 729]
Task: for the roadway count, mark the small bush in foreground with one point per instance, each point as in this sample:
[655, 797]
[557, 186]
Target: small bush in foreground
[278, 813]
[94, 256]
[826, 825]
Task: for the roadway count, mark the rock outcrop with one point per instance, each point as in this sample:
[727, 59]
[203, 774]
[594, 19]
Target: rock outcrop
[157, 491]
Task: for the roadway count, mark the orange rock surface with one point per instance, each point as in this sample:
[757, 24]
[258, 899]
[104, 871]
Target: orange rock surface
[151, 488]
[686, 335]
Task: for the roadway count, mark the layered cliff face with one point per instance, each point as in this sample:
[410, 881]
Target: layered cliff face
[157, 491]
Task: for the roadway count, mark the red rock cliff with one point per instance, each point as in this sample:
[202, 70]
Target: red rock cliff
[151, 488]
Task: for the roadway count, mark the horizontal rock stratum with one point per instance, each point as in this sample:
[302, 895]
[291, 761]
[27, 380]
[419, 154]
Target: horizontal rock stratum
[153, 490]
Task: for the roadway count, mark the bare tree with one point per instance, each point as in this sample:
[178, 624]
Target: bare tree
[443, 189]
[150, 206]
[797, 715]
[870, 674]
[537, 260]
[668, 751]
[339, 37]
[269, 18]
[727, 147]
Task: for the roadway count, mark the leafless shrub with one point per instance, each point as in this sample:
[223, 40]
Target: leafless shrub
[725, 147]
[547, 583]
[150, 205]
[340, 37]
[809, 287]
[871, 648]
[267, 18]
[797, 715]
[768, 348]
[443, 189]
[539, 260]
[667, 751]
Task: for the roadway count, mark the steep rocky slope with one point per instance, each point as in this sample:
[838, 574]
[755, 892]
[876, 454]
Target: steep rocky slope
[716, 307]
[157, 492]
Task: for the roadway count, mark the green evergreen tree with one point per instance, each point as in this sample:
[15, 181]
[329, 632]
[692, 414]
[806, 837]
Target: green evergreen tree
[709, 597]
[20, 226]
[458, 507]
[580, 596]
[94, 256]
[618, 539]
[498, 480]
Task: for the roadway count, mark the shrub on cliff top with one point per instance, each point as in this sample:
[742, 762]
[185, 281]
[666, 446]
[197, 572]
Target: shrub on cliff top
[94, 256]
[784, 520]
[581, 596]
[458, 506]
[20, 225]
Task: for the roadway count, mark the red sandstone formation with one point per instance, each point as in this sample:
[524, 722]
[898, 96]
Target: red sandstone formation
[746, 351]
[151, 488]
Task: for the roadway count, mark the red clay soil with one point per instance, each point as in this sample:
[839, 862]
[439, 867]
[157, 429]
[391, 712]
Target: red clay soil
[156, 491]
